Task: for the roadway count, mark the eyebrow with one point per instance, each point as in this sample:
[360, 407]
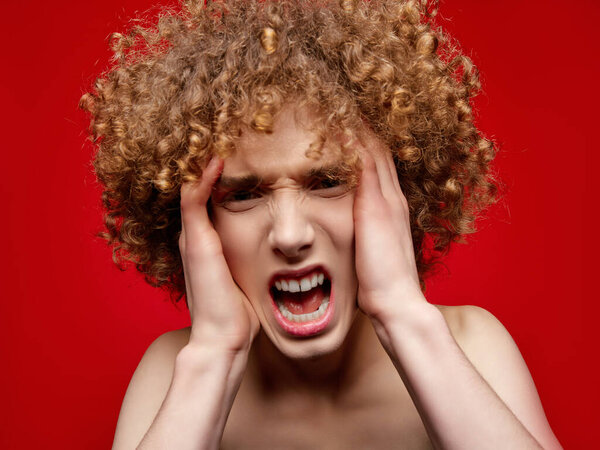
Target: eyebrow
[332, 171]
[253, 181]
[243, 182]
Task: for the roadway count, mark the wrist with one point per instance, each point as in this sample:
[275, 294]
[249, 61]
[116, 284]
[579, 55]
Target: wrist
[400, 303]
[198, 352]
[412, 322]
[418, 319]
[201, 359]
[209, 338]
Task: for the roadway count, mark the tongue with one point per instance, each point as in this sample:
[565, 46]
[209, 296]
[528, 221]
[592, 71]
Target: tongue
[303, 302]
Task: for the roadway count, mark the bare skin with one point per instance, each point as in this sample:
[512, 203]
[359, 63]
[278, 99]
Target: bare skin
[391, 371]
[363, 409]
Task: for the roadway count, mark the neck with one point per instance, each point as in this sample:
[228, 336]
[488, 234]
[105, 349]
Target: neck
[329, 374]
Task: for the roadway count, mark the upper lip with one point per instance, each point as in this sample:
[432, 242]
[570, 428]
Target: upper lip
[299, 273]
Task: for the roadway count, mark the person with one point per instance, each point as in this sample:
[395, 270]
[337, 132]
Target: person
[295, 170]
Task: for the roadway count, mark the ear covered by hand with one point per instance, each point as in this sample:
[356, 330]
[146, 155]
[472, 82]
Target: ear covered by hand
[221, 313]
[385, 261]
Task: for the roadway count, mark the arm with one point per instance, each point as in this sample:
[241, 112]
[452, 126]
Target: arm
[208, 368]
[178, 387]
[484, 399]
[459, 406]
[195, 409]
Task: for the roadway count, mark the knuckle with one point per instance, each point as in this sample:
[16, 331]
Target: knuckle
[188, 194]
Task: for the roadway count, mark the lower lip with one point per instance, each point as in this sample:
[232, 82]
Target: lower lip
[305, 329]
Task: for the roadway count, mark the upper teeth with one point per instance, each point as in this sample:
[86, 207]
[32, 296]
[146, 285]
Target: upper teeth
[304, 284]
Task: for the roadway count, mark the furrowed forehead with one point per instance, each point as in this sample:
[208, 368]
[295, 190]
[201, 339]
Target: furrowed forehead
[253, 180]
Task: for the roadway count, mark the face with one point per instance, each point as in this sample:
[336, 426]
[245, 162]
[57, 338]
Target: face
[288, 236]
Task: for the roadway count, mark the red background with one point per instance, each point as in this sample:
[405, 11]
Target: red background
[73, 327]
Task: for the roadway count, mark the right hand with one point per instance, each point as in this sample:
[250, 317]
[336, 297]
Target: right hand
[221, 314]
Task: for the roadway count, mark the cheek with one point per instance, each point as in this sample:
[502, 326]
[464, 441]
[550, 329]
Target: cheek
[337, 219]
[235, 233]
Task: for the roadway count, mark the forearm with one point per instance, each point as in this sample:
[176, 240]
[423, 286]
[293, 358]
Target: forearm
[193, 414]
[457, 406]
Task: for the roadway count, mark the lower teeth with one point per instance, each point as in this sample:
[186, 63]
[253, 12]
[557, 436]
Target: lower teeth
[304, 317]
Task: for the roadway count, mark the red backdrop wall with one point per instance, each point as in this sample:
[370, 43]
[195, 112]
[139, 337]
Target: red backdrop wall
[73, 327]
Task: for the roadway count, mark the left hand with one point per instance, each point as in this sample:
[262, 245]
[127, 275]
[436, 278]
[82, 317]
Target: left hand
[385, 262]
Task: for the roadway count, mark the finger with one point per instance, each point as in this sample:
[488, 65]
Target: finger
[384, 164]
[369, 181]
[393, 173]
[387, 173]
[194, 196]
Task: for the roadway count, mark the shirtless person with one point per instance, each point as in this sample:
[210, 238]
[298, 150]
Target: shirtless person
[295, 169]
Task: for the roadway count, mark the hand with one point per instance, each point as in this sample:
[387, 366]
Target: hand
[385, 262]
[220, 312]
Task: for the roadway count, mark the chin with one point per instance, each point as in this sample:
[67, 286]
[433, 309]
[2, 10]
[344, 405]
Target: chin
[308, 347]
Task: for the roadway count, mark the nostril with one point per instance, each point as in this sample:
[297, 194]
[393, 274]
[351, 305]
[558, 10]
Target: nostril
[291, 254]
[291, 241]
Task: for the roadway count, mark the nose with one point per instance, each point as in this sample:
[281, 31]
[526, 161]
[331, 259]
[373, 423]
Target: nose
[292, 233]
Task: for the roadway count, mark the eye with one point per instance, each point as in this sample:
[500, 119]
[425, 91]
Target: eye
[326, 183]
[240, 196]
[329, 186]
[238, 200]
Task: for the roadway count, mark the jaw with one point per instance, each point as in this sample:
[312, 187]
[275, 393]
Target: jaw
[284, 363]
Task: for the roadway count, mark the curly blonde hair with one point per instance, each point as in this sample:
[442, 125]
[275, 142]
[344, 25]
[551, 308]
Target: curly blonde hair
[181, 89]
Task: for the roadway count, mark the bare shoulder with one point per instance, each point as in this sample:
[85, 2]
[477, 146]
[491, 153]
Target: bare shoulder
[483, 338]
[485, 342]
[471, 325]
[148, 387]
[495, 355]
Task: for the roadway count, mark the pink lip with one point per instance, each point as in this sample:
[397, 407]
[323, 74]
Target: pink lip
[312, 327]
[299, 273]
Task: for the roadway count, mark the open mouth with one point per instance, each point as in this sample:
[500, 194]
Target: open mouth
[303, 304]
